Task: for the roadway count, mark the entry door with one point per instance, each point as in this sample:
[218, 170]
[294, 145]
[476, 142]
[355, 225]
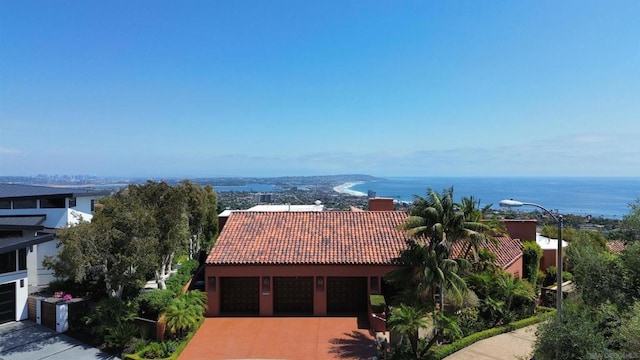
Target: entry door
[7, 302]
[346, 295]
[293, 295]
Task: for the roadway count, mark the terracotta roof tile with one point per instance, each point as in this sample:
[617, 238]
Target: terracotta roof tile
[616, 246]
[331, 237]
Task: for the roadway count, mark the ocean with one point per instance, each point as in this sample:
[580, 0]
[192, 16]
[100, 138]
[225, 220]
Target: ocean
[595, 196]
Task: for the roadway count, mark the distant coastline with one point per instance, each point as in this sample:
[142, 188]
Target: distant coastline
[346, 188]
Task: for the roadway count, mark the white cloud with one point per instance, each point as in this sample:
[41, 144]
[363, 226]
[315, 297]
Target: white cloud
[9, 151]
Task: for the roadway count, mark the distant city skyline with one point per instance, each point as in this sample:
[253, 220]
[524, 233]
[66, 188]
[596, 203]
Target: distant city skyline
[286, 88]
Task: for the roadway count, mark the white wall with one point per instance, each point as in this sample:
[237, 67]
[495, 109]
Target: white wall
[38, 273]
[32, 265]
[83, 204]
[22, 293]
[44, 275]
[58, 218]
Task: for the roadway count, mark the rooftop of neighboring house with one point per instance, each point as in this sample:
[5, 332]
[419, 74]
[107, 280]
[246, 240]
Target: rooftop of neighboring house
[616, 246]
[548, 243]
[330, 237]
[18, 242]
[278, 207]
[11, 191]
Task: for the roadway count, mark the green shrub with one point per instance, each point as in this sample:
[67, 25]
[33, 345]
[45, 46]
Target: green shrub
[177, 281]
[189, 267]
[152, 304]
[469, 320]
[378, 304]
[120, 335]
[108, 314]
[159, 350]
[182, 259]
[531, 255]
[567, 276]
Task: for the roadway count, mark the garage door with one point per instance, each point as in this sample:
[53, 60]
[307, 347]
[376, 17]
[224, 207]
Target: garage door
[7, 303]
[239, 296]
[346, 295]
[293, 295]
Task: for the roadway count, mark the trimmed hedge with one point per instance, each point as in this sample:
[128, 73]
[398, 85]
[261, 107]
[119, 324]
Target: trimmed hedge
[449, 349]
[378, 304]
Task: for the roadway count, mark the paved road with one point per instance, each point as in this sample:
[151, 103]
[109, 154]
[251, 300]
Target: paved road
[27, 340]
[508, 346]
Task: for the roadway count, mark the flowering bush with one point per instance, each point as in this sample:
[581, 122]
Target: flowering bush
[67, 297]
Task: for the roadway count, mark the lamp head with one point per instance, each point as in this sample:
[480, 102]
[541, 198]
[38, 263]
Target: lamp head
[511, 203]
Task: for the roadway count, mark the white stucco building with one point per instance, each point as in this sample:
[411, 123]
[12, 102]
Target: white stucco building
[29, 217]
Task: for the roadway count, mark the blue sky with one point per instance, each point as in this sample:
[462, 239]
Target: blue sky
[261, 88]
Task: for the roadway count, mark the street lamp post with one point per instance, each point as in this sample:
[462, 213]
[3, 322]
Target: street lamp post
[558, 219]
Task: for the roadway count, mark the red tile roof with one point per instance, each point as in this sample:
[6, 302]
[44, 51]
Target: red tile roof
[330, 237]
[616, 246]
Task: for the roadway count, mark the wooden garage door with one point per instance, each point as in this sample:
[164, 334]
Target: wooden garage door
[346, 295]
[48, 313]
[239, 296]
[7, 302]
[293, 295]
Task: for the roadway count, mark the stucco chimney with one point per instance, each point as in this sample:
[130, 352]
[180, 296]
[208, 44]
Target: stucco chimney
[521, 229]
[381, 204]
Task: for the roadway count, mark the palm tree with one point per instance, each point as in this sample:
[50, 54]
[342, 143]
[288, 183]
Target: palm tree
[479, 231]
[407, 320]
[180, 317]
[511, 287]
[434, 225]
[493, 309]
[447, 329]
[197, 300]
[424, 270]
[184, 312]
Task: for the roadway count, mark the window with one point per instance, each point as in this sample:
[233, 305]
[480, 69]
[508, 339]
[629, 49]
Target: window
[52, 203]
[22, 259]
[5, 204]
[8, 262]
[25, 204]
[72, 202]
[93, 204]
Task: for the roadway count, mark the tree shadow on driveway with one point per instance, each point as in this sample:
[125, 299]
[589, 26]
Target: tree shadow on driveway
[354, 345]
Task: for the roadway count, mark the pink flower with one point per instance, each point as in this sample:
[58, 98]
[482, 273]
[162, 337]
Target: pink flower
[67, 297]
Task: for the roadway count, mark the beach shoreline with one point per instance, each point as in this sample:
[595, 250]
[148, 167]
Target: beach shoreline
[346, 188]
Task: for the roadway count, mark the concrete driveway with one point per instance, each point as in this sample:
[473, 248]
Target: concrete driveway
[27, 340]
[291, 338]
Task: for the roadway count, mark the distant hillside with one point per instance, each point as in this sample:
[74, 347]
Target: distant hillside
[283, 181]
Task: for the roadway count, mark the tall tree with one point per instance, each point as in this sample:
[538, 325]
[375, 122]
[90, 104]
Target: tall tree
[118, 245]
[168, 207]
[425, 270]
[202, 214]
[438, 223]
[630, 227]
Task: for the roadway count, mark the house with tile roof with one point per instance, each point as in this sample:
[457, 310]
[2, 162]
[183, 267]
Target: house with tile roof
[29, 217]
[311, 263]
